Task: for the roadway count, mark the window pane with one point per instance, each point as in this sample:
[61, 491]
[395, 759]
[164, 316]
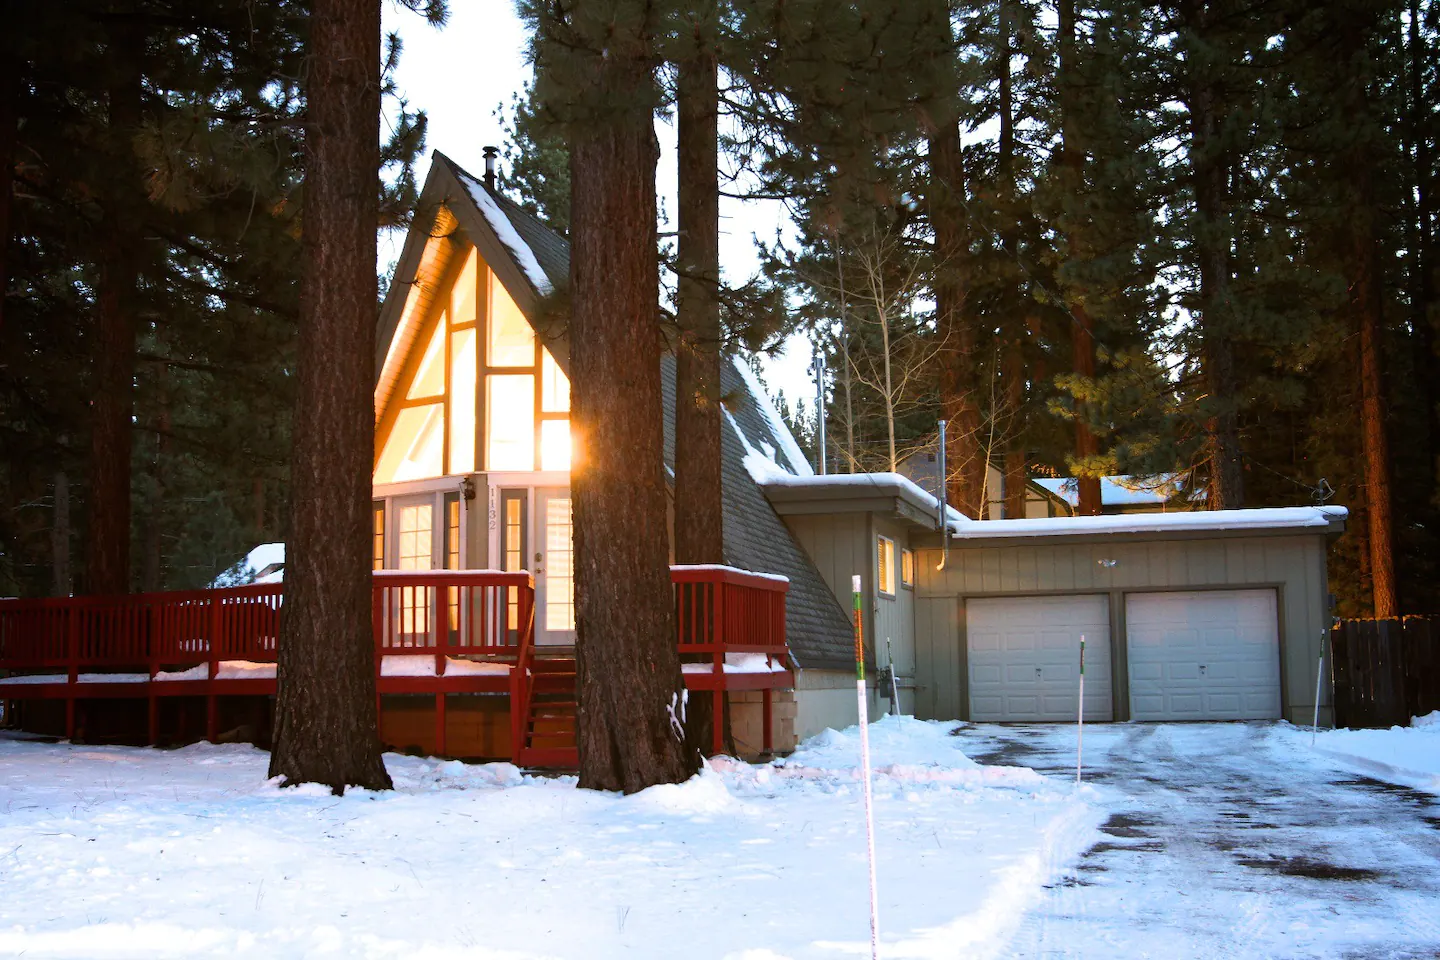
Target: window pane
[377, 535]
[554, 385]
[462, 401]
[907, 567]
[430, 375]
[512, 342]
[413, 450]
[510, 422]
[416, 537]
[885, 555]
[462, 295]
[554, 444]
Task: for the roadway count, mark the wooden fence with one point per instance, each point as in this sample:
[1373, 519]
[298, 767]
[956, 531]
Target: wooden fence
[1386, 671]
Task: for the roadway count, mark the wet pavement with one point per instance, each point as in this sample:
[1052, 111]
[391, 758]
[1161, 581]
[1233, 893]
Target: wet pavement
[1229, 840]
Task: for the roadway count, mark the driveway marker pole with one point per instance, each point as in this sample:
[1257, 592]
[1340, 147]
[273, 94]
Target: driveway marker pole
[1080, 715]
[1319, 672]
[865, 767]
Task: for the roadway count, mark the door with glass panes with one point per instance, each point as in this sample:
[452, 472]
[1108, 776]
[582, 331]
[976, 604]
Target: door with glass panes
[535, 535]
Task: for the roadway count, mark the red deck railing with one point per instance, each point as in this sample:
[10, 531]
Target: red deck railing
[84, 646]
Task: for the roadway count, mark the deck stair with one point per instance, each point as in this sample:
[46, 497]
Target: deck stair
[548, 735]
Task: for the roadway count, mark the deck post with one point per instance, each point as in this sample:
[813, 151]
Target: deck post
[439, 724]
[212, 706]
[152, 715]
[72, 667]
[767, 738]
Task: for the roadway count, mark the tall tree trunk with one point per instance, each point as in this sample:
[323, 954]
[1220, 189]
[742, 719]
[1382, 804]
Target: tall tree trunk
[1366, 289]
[152, 576]
[325, 711]
[699, 518]
[113, 390]
[1210, 175]
[1082, 326]
[9, 93]
[1016, 461]
[699, 537]
[631, 694]
[60, 537]
[1421, 255]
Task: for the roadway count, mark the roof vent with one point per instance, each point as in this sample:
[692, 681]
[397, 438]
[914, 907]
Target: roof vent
[490, 154]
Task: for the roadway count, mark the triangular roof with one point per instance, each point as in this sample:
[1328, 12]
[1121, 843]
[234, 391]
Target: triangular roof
[533, 263]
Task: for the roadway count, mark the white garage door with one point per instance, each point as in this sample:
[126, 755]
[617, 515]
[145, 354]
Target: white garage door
[1024, 658]
[1207, 655]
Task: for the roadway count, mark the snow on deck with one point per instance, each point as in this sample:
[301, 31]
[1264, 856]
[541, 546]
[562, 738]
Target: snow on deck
[132, 852]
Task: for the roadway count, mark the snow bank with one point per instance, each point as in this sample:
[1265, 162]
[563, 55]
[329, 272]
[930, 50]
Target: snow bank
[132, 852]
[1405, 755]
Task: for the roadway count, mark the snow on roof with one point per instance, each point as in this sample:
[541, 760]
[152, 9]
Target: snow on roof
[265, 555]
[769, 476]
[1121, 491]
[505, 230]
[1272, 518]
[798, 464]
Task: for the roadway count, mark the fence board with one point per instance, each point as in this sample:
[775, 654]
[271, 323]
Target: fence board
[1385, 671]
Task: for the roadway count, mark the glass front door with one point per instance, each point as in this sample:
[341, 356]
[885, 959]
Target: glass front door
[414, 550]
[554, 567]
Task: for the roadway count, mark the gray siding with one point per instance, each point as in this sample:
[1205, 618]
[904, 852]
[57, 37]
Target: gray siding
[1293, 565]
[894, 617]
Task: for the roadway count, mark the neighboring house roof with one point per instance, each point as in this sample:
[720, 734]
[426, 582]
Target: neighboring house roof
[1305, 519]
[533, 263]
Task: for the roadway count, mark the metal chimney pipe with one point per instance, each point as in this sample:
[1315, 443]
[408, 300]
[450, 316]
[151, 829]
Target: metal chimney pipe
[817, 367]
[490, 154]
[943, 485]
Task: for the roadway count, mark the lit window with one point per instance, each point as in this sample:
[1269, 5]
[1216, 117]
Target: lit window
[554, 386]
[907, 568]
[430, 375]
[416, 537]
[462, 401]
[413, 449]
[512, 342]
[555, 445]
[377, 535]
[510, 422]
[885, 554]
[462, 295]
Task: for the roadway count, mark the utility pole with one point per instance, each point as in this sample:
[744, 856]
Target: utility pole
[817, 367]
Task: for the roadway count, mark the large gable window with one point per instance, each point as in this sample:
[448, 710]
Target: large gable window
[478, 355]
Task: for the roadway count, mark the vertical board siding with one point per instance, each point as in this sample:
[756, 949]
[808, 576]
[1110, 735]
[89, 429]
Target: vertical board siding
[1295, 565]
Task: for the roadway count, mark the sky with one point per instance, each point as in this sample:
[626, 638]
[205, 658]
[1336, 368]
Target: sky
[460, 74]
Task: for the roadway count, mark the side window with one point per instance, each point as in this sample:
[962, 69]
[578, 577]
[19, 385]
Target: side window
[885, 562]
[907, 568]
[377, 535]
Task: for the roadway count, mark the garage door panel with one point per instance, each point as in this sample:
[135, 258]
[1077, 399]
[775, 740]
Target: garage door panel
[1024, 658]
[1218, 659]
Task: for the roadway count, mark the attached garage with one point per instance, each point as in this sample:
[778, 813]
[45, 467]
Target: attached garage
[1024, 657]
[1203, 655]
[1205, 615]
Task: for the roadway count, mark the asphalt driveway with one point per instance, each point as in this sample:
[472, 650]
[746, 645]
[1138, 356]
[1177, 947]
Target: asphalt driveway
[1229, 841]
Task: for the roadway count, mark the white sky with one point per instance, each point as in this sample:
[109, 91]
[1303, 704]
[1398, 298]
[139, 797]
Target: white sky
[460, 74]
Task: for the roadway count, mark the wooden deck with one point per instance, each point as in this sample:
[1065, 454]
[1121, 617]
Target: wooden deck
[438, 633]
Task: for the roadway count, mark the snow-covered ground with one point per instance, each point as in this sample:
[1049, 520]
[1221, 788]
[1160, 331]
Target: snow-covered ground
[135, 852]
[1406, 755]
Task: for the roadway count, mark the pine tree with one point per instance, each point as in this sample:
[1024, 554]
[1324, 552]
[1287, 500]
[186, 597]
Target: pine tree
[596, 64]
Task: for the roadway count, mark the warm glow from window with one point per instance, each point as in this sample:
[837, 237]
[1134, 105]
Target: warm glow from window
[430, 375]
[462, 295]
[510, 422]
[559, 565]
[462, 401]
[907, 568]
[885, 554]
[512, 342]
[554, 385]
[415, 444]
[416, 537]
[554, 444]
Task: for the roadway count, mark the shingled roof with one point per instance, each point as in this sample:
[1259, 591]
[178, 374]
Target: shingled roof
[817, 628]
